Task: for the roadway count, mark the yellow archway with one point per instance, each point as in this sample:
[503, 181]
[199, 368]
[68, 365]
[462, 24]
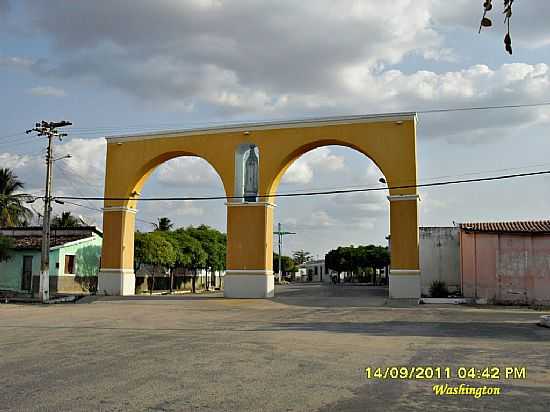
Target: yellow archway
[389, 140]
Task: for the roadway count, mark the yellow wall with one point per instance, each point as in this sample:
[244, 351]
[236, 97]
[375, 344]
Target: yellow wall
[390, 142]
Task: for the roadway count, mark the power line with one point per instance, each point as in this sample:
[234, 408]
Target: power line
[473, 108]
[315, 193]
[96, 209]
[152, 126]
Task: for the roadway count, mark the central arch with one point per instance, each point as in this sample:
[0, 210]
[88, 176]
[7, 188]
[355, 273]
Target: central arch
[388, 140]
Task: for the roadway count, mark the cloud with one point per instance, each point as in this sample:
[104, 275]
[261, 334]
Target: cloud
[13, 161]
[237, 56]
[256, 59]
[320, 160]
[47, 91]
[87, 162]
[188, 171]
[16, 62]
[4, 6]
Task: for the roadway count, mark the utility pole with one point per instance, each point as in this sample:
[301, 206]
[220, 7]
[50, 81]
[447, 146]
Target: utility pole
[48, 129]
[280, 235]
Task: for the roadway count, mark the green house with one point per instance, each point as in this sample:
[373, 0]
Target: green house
[74, 259]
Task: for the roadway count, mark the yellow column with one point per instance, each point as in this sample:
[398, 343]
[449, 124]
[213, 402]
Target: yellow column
[405, 260]
[249, 271]
[116, 276]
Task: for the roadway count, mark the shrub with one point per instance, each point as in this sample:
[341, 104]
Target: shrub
[438, 289]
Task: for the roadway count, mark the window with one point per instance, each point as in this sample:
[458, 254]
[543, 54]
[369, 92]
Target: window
[69, 264]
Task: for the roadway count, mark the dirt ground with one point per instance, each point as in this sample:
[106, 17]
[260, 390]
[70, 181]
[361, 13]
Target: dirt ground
[304, 350]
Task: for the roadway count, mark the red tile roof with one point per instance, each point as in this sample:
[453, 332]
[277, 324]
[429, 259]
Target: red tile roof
[532, 226]
[35, 242]
[30, 238]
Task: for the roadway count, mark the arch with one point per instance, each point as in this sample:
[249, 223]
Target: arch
[147, 169]
[300, 151]
[388, 140]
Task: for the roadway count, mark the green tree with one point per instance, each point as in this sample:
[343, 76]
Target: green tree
[357, 260]
[13, 212]
[164, 225]
[214, 244]
[287, 263]
[153, 249]
[66, 220]
[5, 246]
[301, 256]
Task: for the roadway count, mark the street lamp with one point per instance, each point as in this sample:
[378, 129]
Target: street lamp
[67, 156]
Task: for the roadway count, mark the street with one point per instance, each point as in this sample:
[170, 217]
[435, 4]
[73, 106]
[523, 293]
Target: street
[304, 350]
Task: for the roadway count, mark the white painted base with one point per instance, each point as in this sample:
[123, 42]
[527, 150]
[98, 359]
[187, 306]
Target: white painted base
[404, 284]
[248, 284]
[116, 282]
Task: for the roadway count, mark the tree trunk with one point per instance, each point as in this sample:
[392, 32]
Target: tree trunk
[171, 281]
[193, 288]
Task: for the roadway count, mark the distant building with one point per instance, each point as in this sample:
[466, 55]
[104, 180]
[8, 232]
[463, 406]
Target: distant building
[315, 271]
[74, 259]
[506, 262]
[502, 262]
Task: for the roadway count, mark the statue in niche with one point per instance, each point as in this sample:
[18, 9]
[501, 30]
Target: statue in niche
[251, 176]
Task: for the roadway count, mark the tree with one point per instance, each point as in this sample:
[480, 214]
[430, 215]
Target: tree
[214, 243]
[301, 256]
[189, 252]
[153, 249]
[356, 260]
[288, 264]
[13, 212]
[486, 21]
[164, 225]
[66, 220]
[5, 245]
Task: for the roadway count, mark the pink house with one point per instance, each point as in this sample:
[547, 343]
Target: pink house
[506, 262]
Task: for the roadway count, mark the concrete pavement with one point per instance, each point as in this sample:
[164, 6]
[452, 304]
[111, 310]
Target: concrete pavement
[304, 350]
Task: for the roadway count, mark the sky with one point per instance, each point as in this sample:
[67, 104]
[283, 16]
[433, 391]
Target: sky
[123, 66]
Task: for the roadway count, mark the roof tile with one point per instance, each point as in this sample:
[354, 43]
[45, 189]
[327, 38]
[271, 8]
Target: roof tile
[530, 226]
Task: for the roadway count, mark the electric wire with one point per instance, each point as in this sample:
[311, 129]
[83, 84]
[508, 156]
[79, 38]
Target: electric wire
[315, 193]
[140, 127]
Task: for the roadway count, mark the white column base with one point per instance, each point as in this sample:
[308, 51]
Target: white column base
[404, 284]
[116, 282]
[248, 284]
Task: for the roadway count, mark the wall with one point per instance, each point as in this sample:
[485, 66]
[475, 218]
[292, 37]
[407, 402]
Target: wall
[11, 271]
[87, 253]
[183, 279]
[506, 268]
[439, 257]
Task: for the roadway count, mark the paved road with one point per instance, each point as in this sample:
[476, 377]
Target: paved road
[303, 350]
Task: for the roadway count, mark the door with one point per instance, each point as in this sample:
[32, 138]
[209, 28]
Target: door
[26, 278]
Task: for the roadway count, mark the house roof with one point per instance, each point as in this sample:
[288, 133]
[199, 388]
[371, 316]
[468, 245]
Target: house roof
[30, 238]
[530, 226]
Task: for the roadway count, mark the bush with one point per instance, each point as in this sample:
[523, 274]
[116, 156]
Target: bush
[438, 289]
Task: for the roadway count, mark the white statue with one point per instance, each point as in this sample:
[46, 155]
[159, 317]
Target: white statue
[251, 176]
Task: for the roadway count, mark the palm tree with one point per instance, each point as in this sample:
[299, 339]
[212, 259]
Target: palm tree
[66, 220]
[13, 212]
[164, 225]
